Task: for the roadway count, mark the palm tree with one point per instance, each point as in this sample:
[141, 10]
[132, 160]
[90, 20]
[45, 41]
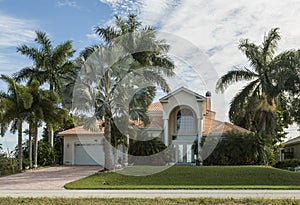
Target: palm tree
[116, 68]
[16, 104]
[255, 106]
[50, 64]
[43, 109]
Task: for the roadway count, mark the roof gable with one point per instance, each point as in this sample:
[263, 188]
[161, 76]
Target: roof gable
[182, 89]
[295, 140]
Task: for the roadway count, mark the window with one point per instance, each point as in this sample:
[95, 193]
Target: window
[185, 121]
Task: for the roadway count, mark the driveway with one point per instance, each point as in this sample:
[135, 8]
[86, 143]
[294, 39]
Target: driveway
[46, 178]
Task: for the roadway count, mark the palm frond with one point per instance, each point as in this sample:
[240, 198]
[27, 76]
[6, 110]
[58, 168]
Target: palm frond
[45, 42]
[242, 98]
[108, 33]
[233, 77]
[270, 44]
[252, 52]
[27, 51]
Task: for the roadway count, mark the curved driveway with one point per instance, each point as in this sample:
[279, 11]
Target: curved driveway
[52, 178]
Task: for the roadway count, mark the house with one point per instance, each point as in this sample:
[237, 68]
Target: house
[291, 149]
[180, 118]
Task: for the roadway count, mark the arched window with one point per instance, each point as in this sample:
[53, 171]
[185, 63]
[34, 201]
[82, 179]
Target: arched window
[185, 121]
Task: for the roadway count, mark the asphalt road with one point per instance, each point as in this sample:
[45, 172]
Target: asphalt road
[290, 194]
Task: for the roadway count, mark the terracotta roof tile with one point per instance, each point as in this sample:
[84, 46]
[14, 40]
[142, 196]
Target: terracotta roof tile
[80, 131]
[157, 106]
[212, 126]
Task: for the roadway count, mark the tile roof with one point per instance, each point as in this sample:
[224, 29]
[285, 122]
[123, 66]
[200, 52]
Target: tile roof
[210, 125]
[80, 131]
[293, 141]
[157, 106]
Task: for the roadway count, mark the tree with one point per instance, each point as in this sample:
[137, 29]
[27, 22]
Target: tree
[16, 103]
[44, 108]
[121, 63]
[257, 105]
[50, 64]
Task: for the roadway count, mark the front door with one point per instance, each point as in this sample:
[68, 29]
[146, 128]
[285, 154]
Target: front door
[184, 153]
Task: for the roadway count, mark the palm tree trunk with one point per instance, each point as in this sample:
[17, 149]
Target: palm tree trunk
[51, 135]
[20, 131]
[30, 144]
[35, 147]
[107, 142]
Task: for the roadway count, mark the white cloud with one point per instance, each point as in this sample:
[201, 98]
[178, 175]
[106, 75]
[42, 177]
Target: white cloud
[92, 37]
[123, 7]
[67, 3]
[15, 31]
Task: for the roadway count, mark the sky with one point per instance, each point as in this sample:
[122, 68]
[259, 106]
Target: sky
[203, 34]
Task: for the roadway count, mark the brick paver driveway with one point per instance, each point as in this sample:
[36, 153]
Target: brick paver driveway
[46, 178]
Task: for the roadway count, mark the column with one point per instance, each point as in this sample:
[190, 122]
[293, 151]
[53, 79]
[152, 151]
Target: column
[166, 132]
[126, 151]
[199, 138]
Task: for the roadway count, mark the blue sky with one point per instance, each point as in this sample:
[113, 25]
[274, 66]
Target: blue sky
[213, 27]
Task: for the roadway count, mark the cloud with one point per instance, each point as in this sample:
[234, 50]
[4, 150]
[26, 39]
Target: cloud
[123, 7]
[67, 3]
[92, 37]
[15, 31]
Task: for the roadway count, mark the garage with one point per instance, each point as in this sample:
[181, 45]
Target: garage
[88, 153]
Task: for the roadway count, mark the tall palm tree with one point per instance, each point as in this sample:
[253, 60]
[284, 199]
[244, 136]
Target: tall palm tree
[16, 103]
[43, 108]
[120, 64]
[255, 106]
[50, 64]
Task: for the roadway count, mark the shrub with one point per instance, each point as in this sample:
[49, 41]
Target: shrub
[8, 165]
[238, 149]
[146, 146]
[287, 163]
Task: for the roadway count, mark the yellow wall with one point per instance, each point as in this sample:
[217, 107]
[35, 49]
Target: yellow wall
[296, 148]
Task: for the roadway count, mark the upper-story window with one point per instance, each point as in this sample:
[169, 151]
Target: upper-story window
[185, 121]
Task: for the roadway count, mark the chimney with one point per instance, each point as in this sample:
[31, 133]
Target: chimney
[208, 101]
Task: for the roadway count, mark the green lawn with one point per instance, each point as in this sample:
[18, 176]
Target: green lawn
[157, 201]
[189, 177]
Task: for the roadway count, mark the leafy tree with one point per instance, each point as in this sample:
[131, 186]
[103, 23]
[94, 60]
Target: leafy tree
[257, 105]
[122, 58]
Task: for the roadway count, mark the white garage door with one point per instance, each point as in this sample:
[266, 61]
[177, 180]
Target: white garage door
[89, 154]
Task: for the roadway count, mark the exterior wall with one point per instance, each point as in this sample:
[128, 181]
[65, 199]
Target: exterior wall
[296, 151]
[290, 151]
[69, 145]
[156, 133]
[183, 98]
[295, 148]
